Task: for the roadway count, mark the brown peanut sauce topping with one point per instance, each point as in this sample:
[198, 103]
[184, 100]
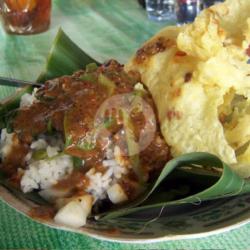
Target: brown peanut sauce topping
[69, 104]
[174, 114]
[152, 48]
[15, 159]
[43, 213]
[248, 50]
[188, 77]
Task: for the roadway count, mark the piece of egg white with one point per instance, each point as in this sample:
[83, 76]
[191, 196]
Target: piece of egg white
[116, 194]
[52, 194]
[74, 214]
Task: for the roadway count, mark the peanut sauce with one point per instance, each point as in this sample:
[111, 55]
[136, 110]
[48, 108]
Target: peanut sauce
[15, 158]
[152, 48]
[174, 114]
[188, 77]
[69, 105]
[44, 213]
[248, 50]
[75, 182]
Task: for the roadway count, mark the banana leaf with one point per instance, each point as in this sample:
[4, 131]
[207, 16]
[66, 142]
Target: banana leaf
[64, 58]
[10, 104]
[228, 184]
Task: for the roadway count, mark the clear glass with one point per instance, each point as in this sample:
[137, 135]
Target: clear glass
[25, 16]
[208, 3]
[161, 10]
[187, 10]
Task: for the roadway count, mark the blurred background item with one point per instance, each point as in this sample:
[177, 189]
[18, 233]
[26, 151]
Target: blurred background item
[142, 3]
[25, 16]
[208, 3]
[181, 11]
[161, 10]
[187, 10]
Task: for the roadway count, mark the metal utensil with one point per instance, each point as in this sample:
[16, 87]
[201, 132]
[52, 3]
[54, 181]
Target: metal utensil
[17, 83]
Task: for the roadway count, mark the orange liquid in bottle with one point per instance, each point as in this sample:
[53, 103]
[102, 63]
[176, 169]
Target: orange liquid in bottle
[26, 16]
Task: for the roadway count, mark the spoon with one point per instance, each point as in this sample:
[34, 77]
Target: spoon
[17, 83]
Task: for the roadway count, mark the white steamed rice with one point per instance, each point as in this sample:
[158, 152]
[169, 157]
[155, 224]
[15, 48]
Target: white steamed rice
[42, 174]
[5, 143]
[28, 99]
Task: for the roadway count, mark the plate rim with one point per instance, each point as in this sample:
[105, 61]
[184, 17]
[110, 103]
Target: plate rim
[9, 199]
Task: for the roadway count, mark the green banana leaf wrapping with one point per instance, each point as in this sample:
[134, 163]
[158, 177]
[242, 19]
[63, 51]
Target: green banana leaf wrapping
[228, 184]
[64, 58]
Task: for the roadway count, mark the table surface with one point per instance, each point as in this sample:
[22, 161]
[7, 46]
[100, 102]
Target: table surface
[105, 29]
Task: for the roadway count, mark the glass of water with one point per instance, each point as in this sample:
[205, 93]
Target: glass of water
[187, 10]
[161, 10]
[208, 3]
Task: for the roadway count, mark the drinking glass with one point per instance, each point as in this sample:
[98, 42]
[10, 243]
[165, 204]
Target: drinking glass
[187, 10]
[25, 16]
[208, 3]
[161, 10]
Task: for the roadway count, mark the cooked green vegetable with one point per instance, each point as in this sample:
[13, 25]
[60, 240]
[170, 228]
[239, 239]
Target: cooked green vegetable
[77, 162]
[91, 67]
[40, 155]
[108, 122]
[107, 83]
[88, 78]
[86, 145]
[133, 147]
[49, 126]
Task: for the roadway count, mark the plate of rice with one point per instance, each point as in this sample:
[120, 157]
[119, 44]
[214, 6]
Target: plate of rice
[72, 165]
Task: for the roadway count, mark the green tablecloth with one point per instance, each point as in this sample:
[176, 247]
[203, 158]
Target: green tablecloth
[106, 29]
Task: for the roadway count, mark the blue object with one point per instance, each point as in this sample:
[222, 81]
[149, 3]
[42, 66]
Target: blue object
[208, 3]
[187, 10]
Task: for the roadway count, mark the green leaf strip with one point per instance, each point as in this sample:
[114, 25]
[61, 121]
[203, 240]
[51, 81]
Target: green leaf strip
[229, 184]
[65, 57]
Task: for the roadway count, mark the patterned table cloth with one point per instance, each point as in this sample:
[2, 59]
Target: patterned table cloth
[105, 29]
